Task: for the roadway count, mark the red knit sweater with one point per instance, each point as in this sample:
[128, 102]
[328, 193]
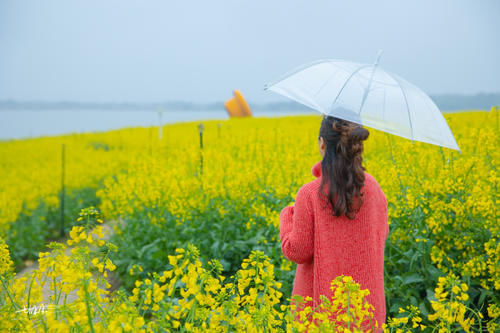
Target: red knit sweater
[325, 246]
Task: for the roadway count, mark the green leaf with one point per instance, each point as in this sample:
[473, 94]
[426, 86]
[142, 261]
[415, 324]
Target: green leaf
[423, 309]
[483, 295]
[430, 295]
[147, 247]
[412, 278]
[434, 272]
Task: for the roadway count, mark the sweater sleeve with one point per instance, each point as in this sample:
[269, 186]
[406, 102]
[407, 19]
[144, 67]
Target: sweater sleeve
[297, 229]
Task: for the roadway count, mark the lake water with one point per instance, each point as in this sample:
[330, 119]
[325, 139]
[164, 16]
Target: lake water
[20, 124]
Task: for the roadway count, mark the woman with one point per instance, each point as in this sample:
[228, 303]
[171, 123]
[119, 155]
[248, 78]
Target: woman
[338, 224]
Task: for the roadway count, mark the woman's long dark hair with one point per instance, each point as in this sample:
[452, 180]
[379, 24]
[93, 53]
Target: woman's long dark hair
[342, 170]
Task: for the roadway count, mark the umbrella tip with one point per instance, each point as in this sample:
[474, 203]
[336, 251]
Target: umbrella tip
[380, 51]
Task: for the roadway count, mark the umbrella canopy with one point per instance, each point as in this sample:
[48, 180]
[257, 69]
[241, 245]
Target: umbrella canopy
[367, 95]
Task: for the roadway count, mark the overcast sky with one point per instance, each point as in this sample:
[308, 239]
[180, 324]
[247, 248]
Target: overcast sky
[141, 51]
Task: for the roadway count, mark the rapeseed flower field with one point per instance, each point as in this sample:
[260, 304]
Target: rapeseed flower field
[199, 246]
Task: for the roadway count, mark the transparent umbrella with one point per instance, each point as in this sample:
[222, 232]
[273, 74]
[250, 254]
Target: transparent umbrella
[367, 95]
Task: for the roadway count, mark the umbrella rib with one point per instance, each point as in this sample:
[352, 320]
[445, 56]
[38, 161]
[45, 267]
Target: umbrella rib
[367, 90]
[407, 106]
[383, 107]
[346, 82]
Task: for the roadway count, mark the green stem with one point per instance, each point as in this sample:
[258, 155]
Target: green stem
[348, 310]
[89, 314]
[8, 293]
[29, 294]
[55, 291]
[140, 305]
[394, 163]
[478, 318]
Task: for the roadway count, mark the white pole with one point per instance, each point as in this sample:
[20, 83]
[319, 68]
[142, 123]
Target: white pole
[160, 111]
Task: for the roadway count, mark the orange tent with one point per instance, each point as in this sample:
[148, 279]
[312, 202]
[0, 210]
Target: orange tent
[237, 106]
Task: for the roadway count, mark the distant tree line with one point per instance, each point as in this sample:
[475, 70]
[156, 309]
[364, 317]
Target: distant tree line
[459, 102]
[449, 102]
